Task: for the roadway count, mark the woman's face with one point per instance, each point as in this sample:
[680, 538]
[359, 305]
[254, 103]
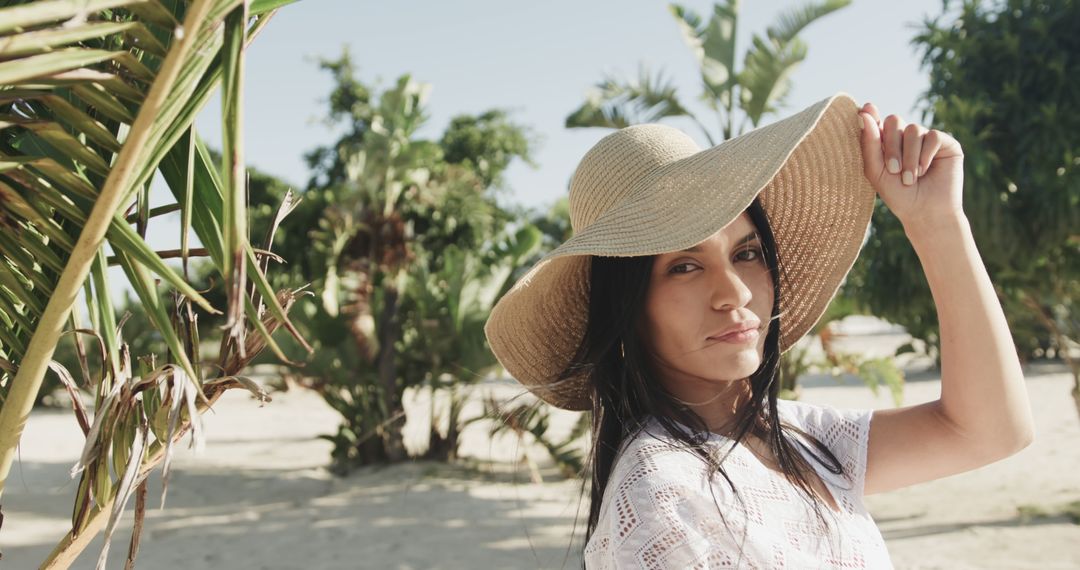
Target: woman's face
[695, 294]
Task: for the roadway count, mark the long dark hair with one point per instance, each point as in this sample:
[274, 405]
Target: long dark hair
[625, 393]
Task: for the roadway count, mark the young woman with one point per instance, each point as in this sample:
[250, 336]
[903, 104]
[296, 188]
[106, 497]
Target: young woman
[689, 272]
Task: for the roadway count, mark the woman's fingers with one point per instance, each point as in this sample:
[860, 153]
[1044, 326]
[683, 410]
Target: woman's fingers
[892, 139]
[873, 111]
[897, 147]
[911, 151]
[873, 165]
[931, 143]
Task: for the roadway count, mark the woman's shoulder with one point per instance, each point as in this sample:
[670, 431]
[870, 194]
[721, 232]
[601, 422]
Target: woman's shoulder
[838, 428]
[845, 431]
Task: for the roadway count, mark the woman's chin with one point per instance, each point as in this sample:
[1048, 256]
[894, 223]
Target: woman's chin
[742, 364]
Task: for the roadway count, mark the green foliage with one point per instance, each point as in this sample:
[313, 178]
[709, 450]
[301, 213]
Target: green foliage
[555, 223]
[872, 372]
[554, 227]
[444, 315]
[617, 104]
[486, 144]
[1037, 513]
[446, 309]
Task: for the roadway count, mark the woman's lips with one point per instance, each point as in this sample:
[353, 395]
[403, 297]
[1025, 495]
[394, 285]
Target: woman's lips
[750, 329]
[738, 337]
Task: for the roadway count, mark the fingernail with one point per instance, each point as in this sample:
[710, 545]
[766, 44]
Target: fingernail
[908, 177]
[862, 123]
[894, 165]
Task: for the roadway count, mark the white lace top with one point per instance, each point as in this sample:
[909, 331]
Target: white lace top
[658, 509]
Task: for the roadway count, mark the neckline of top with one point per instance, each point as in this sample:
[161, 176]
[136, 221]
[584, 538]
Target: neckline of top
[781, 410]
[834, 483]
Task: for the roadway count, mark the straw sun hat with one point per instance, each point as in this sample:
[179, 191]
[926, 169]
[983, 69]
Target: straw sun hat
[649, 189]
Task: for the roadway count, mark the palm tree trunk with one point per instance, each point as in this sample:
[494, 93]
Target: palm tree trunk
[444, 448]
[389, 331]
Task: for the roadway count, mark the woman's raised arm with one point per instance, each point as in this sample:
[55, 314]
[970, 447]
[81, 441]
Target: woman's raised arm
[983, 414]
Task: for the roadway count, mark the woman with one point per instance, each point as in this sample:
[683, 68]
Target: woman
[689, 272]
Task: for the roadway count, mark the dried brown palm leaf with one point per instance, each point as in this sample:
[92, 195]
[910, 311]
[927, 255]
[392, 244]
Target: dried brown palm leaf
[238, 360]
[73, 393]
[140, 519]
[126, 486]
[74, 543]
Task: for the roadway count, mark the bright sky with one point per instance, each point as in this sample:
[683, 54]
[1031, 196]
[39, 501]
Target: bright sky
[536, 59]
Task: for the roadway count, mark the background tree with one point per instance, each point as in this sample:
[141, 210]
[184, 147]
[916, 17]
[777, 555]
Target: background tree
[445, 316]
[1005, 81]
[407, 250]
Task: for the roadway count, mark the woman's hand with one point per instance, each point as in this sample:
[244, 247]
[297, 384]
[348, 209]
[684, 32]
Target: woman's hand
[918, 173]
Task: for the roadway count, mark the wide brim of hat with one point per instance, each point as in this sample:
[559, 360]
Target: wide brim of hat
[808, 170]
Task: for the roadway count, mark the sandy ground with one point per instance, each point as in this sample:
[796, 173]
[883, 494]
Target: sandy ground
[259, 496]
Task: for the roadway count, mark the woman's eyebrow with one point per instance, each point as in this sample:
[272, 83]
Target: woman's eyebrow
[746, 238]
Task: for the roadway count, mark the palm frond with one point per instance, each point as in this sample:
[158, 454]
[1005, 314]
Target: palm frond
[713, 45]
[615, 103]
[791, 22]
[764, 80]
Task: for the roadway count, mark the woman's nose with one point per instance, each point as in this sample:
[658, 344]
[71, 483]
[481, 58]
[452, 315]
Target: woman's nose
[729, 290]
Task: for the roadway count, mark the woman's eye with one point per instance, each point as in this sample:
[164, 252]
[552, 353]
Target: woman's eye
[675, 267]
[756, 254]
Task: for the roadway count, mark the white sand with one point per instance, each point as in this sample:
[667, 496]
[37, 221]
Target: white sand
[260, 497]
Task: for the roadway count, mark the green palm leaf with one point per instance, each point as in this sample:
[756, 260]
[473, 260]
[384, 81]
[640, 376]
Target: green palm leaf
[765, 78]
[713, 44]
[790, 23]
[615, 104]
